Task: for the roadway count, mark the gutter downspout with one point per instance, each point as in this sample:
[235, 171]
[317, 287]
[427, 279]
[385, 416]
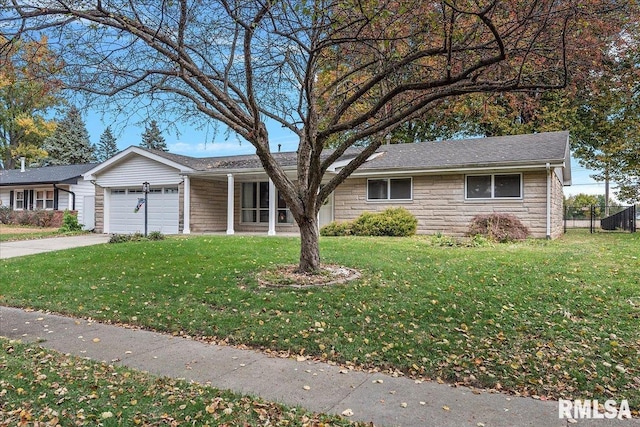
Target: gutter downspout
[73, 196]
[548, 201]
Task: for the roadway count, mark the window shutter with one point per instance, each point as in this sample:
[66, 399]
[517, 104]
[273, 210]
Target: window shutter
[32, 199]
[55, 199]
[11, 199]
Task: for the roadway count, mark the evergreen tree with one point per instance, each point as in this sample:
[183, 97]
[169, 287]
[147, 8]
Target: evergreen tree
[107, 146]
[69, 144]
[152, 138]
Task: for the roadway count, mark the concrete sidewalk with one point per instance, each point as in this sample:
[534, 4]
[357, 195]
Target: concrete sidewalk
[319, 387]
[36, 246]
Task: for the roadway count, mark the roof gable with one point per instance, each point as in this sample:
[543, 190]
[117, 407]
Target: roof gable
[172, 160]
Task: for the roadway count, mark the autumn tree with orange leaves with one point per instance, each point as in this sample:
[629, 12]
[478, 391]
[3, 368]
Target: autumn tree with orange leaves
[29, 88]
[339, 72]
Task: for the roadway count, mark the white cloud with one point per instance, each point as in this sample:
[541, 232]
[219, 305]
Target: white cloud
[227, 148]
[211, 149]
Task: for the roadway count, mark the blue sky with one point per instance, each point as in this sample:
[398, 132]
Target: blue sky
[202, 143]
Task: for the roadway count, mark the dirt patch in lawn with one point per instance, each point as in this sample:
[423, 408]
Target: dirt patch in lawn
[286, 276]
[14, 229]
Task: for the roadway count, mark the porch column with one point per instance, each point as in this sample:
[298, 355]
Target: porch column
[272, 209]
[230, 202]
[186, 210]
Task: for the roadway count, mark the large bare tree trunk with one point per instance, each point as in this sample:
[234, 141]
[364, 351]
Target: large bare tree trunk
[309, 245]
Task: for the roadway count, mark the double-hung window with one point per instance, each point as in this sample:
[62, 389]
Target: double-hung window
[494, 186]
[44, 199]
[19, 202]
[389, 189]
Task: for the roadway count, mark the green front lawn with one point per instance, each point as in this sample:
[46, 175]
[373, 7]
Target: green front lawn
[546, 318]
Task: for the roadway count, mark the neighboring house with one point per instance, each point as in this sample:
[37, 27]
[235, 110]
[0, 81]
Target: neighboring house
[50, 188]
[444, 184]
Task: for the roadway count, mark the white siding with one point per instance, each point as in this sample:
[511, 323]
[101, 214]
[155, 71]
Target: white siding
[4, 197]
[134, 171]
[64, 200]
[82, 189]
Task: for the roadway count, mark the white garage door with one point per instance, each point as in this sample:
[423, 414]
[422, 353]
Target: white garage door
[163, 211]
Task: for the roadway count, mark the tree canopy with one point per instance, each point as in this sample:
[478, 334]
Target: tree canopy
[600, 104]
[107, 146]
[29, 87]
[69, 144]
[332, 72]
[152, 137]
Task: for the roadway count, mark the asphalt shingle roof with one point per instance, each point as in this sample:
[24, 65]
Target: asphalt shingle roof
[246, 161]
[476, 152]
[66, 174]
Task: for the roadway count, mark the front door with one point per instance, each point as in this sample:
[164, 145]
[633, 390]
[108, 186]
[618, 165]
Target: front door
[325, 216]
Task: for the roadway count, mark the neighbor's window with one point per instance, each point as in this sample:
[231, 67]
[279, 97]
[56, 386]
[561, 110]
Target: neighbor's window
[389, 189]
[507, 186]
[44, 199]
[19, 200]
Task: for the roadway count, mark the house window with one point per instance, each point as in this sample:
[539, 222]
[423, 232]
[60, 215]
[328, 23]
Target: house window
[389, 189]
[171, 190]
[19, 200]
[44, 199]
[284, 213]
[507, 186]
[255, 204]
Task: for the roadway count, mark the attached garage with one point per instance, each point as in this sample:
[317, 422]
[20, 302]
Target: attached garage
[163, 212]
[119, 191]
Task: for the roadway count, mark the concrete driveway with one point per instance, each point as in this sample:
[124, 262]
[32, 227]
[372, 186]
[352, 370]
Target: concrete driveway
[36, 246]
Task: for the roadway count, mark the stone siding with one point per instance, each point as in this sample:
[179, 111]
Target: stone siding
[99, 226]
[440, 206]
[208, 205]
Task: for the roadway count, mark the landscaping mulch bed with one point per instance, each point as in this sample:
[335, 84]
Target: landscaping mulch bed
[287, 276]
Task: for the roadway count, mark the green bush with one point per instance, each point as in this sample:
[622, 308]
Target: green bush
[397, 222]
[498, 227]
[155, 235]
[69, 223]
[337, 229]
